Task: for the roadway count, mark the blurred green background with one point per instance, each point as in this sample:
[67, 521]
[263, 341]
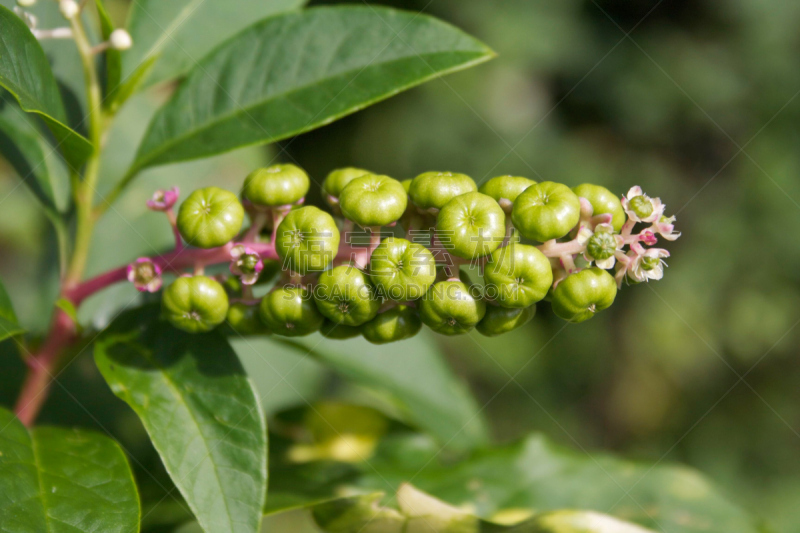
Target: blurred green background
[696, 101]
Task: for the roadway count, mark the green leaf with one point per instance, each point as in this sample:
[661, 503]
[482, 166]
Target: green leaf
[26, 74]
[9, 325]
[535, 474]
[295, 72]
[22, 146]
[130, 85]
[181, 32]
[200, 411]
[55, 480]
[113, 57]
[417, 380]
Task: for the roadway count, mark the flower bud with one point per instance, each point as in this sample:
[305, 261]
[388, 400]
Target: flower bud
[246, 264]
[69, 8]
[163, 199]
[145, 275]
[120, 39]
[25, 3]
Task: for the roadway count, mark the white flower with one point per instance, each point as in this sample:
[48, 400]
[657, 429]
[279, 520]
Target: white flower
[602, 246]
[666, 228]
[648, 265]
[246, 264]
[640, 207]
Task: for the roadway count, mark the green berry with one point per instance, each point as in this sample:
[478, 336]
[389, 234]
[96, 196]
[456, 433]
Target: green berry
[195, 304]
[276, 185]
[338, 179]
[583, 294]
[603, 202]
[546, 211]
[373, 200]
[244, 320]
[506, 187]
[398, 323]
[432, 190]
[402, 270]
[471, 225]
[334, 331]
[449, 308]
[499, 320]
[290, 311]
[210, 217]
[517, 275]
[601, 245]
[307, 240]
[345, 295]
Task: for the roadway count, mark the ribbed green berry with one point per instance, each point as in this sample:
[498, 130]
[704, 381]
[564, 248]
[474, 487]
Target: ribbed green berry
[402, 270]
[517, 275]
[506, 187]
[307, 240]
[345, 295]
[603, 202]
[338, 179]
[373, 200]
[471, 225]
[449, 308]
[244, 319]
[431, 190]
[546, 211]
[582, 295]
[334, 331]
[195, 304]
[398, 323]
[276, 185]
[499, 320]
[210, 217]
[290, 311]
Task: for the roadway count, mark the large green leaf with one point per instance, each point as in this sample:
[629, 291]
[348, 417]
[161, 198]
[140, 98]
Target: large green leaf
[55, 480]
[414, 377]
[23, 147]
[26, 74]
[535, 474]
[200, 411]
[181, 32]
[294, 72]
[9, 325]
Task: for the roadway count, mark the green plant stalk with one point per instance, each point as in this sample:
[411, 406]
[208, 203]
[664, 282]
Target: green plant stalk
[63, 330]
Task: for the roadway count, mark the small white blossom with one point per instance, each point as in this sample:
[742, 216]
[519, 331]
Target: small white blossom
[636, 203]
[648, 265]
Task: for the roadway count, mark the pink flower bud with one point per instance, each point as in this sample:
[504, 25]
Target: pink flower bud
[145, 275]
[163, 199]
[246, 264]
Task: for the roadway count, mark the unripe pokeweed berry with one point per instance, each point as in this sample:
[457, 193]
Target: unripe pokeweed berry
[334, 331]
[244, 319]
[603, 202]
[546, 211]
[373, 200]
[338, 179]
[432, 190]
[290, 311]
[583, 294]
[449, 308]
[276, 185]
[402, 270]
[307, 240]
[505, 189]
[195, 304]
[210, 217]
[499, 320]
[517, 275]
[345, 295]
[471, 225]
[398, 323]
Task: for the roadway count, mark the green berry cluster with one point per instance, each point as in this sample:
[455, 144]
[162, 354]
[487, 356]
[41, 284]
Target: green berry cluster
[530, 241]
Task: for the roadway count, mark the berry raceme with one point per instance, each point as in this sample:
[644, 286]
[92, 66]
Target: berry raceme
[531, 241]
